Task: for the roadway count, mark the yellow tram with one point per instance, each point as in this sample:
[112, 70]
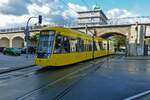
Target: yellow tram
[59, 46]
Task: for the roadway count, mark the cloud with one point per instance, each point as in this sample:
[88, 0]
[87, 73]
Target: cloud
[43, 2]
[14, 7]
[77, 7]
[19, 7]
[12, 21]
[35, 9]
[119, 13]
[123, 16]
[70, 15]
[73, 9]
[16, 12]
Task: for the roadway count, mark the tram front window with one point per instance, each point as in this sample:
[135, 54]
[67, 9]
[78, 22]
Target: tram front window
[45, 44]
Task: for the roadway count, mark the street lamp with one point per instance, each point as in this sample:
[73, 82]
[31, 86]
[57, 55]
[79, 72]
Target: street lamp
[93, 38]
[94, 35]
[127, 45]
[107, 51]
[136, 28]
[27, 32]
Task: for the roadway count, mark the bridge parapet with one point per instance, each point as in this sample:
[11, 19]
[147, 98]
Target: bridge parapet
[129, 20]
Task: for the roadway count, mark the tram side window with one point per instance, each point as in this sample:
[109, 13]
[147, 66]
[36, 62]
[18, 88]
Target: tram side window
[80, 45]
[73, 43]
[97, 46]
[86, 45]
[62, 44]
[58, 44]
[66, 44]
[90, 46]
[94, 46]
[104, 46]
[101, 46]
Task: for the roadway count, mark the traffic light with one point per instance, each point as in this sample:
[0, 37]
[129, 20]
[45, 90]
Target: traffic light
[40, 19]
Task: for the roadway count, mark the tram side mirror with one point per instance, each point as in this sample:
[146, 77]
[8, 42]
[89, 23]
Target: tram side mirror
[40, 19]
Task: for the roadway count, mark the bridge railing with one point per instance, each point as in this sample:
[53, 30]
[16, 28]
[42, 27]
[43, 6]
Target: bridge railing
[129, 20]
[20, 29]
[114, 21]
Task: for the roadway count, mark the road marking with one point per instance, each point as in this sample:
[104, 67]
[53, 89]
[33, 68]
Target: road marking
[138, 95]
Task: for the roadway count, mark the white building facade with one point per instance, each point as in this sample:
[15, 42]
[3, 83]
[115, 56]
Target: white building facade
[92, 18]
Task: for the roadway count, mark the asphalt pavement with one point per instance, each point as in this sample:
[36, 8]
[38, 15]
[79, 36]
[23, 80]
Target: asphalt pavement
[8, 63]
[117, 79]
[110, 78]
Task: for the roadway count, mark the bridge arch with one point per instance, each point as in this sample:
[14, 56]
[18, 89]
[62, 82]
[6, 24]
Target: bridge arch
[124, 31]
[118, 41]
[109, 34]
[17, 42]
[4, 42]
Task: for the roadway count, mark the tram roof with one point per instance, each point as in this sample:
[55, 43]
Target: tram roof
[72, 33]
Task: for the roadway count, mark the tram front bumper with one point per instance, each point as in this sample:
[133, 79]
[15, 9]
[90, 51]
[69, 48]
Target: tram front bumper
[41, 62]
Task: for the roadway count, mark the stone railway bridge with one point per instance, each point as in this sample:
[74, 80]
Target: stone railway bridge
[135, 35]
[14, 39]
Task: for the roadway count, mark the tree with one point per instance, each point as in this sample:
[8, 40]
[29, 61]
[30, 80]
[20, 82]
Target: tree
[118, 41]
[34, 39]
[147, 40]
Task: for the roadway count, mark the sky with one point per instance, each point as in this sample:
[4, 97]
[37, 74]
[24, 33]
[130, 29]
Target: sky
[14, 13]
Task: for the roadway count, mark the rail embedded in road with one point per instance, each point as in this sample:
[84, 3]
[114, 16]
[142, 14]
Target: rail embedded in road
[84, 70]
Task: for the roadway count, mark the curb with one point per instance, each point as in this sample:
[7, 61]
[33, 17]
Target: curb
[14, 69]
[137, 58]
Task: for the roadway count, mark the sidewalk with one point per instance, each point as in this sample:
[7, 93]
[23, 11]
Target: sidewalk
[138, 58]
[9, 63]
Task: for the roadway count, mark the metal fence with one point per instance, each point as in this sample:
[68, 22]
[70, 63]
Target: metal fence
[20, 29]
[129, 20]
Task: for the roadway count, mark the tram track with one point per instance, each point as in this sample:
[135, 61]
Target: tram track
[47, 85]
[83, 72]
[18, 74]
[55, 80]
[15, 69]
[70, 87]
[82, 76]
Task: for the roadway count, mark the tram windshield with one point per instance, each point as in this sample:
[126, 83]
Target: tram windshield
[46, 42]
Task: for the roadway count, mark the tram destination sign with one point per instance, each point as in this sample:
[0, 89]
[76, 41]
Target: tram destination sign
[47, 32]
